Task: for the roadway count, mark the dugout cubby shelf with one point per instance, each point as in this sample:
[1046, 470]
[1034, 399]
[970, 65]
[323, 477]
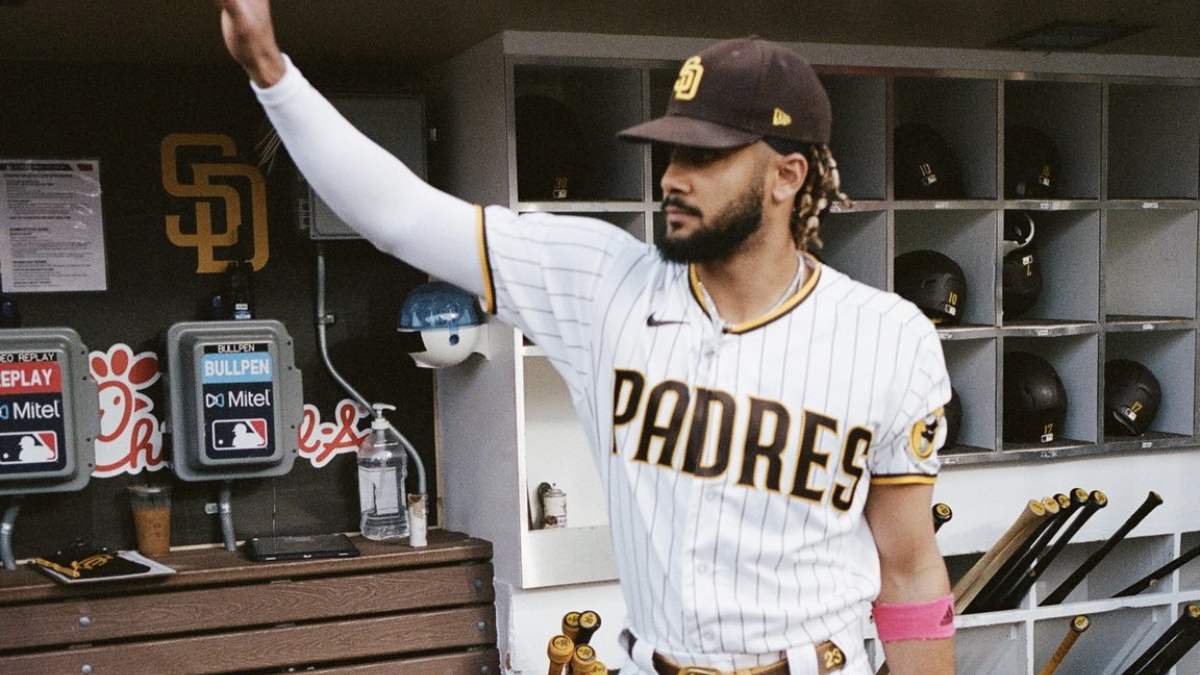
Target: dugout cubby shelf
[587, 105]
[1075, 359]
[1115, 638]
[1189, 574]
[1150, 263]
[1067, 250]
[1132, 559]
[860, 132]
[972, 368]
[1070, 113]
[856, 243]
[964, 112]
[1151, 154]
[969, 238]
[1118, 244]
[1170, 356]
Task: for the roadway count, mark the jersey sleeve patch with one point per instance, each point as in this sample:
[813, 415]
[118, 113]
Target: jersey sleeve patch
[485, 264]
[927, 434]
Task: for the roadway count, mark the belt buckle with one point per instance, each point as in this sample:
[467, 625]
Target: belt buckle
[698, 670]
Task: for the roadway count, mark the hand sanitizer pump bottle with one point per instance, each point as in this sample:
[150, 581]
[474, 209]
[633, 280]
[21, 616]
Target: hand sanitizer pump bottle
[381, 472]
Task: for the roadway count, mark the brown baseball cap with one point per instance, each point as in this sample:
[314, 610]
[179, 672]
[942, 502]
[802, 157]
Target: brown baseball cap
[740, 91]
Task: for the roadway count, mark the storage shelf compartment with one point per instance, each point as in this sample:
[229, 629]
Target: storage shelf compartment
[1131, 559]
[1124, 323]
[580, 108]
[1190, 663]
[991, 650]
[1153, 142]
[1114, 637]
[1075, 359]
[859, 138]
[1150, 263]
[1067, 249]
[1171, 357]
[585, 207]
[1189, 574]
[972, 368]
[856, 244]
[962, 111]
[1151, 440]
[556, 450]
[1070, 114]
[967, 237]
[568, 555]
[662, 85]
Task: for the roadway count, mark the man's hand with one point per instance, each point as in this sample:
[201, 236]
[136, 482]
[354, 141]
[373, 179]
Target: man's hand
[250, 39]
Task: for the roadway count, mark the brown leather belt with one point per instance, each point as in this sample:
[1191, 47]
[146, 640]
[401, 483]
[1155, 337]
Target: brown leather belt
[830, 659]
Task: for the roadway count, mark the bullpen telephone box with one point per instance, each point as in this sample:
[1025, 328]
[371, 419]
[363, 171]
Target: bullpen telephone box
[235, 399]
[49, 412]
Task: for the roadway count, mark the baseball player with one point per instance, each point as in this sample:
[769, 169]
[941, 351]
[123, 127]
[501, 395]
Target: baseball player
[765, 427]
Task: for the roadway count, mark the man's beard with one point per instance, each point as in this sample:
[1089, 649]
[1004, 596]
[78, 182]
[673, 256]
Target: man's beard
[718, 239]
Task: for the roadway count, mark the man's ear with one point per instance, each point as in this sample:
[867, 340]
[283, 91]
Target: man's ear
[790, 173]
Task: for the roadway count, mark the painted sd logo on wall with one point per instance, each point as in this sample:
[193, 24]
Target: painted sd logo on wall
[204, 236]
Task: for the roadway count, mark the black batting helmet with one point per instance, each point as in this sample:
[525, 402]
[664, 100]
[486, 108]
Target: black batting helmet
[953, 413]
[1035, 401]
[925, 166]
[933, 282]
[1132, 397]
[1022, 275]
[551, 152]
[1030, 163]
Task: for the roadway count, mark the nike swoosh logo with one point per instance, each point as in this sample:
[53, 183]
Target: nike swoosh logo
[655, 323]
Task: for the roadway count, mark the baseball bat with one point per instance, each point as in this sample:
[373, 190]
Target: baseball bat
[998, 599]
[1191, 613]
[1008, 566]
[1059, 594]
[559, 650]
[968, 587]
[941, 515]
[1183, 643]
[589, 623]
[1157, 575]
[1078, 625]
[583, 659]
[1094, 502]
[570, 626]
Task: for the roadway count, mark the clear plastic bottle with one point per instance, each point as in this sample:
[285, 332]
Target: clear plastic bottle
[381, 472]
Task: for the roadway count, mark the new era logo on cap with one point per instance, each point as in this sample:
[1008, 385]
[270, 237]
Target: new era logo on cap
[780, 118]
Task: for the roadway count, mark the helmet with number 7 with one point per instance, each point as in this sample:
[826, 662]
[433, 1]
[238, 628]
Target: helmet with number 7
[439, 324]
[1132, 396]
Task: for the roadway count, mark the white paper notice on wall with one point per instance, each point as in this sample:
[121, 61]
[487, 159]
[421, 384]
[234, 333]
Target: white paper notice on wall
[51, 226]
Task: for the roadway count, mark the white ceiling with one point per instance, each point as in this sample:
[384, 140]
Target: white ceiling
[418, 32]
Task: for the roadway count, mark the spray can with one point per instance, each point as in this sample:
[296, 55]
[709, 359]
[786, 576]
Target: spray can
[554, 506]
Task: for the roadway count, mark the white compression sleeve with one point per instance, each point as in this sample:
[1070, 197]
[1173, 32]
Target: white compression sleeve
[369, 188]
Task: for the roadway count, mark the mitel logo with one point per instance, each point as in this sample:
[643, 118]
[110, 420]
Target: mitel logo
[207, 234]
[28, 447]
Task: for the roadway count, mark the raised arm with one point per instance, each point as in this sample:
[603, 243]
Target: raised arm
[364, 184]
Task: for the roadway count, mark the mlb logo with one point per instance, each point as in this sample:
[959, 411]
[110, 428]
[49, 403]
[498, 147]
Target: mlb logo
[28, 447]
[240, 434]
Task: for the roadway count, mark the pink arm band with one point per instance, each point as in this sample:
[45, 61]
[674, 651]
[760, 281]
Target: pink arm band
[915, 621]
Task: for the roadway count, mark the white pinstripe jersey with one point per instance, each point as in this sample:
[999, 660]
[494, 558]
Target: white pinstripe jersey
[736, 459]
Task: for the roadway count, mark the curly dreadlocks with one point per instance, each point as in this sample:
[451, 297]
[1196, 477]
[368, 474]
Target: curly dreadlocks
[822, 184]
